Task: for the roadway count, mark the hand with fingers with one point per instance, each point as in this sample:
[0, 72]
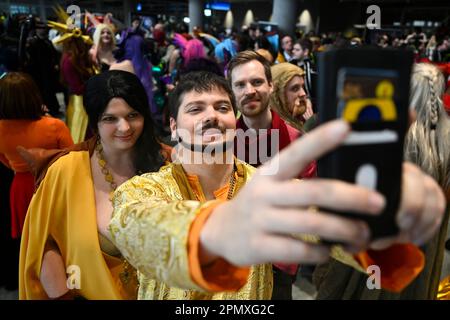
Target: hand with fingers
[257, 225]
[421, 210]
[309, 109]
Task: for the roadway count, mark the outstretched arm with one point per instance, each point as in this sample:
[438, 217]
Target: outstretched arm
[156, 229]
[53, 272]
[257, 226]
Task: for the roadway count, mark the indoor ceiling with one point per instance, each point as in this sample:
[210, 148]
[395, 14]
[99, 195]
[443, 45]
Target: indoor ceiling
[438, 10]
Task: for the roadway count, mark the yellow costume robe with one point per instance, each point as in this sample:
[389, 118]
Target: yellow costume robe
[63, 209]
[76, 117]
[150, 226]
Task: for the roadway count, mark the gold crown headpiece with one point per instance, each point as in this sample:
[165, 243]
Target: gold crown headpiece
[68, 28]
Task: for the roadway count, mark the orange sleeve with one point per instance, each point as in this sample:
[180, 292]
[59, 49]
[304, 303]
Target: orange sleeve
[220, 275]
[399, 264]
[65, 139]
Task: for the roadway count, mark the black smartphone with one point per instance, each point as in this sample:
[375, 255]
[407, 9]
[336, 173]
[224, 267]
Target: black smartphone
[369, 88]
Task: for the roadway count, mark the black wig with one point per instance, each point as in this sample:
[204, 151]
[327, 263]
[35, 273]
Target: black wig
[100, 89]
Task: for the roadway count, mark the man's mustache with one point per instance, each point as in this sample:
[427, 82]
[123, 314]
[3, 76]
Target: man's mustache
[247, 100]
[212, 125]
[301, 102]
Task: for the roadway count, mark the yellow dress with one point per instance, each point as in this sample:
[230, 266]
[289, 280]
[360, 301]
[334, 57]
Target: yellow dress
[63, 209]
[76, 117]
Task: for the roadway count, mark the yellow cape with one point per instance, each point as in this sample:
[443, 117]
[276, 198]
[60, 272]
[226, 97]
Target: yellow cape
[63, 208]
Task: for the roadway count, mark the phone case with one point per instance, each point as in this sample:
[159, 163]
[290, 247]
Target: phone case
[369, 88]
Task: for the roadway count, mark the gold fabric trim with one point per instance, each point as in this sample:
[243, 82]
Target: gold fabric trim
[337, 252]
[150, 226]
[444, 289]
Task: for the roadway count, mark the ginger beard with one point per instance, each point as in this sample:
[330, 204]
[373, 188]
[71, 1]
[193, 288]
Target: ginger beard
[299, 108]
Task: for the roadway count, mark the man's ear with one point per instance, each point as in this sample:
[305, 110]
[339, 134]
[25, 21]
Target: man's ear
[412, 116]
[173, 128]
[271, 87]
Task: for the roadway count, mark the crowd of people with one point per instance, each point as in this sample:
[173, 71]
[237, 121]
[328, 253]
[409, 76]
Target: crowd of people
[157, 164]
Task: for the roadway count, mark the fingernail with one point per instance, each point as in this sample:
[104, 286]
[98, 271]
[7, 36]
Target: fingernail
[376, 202]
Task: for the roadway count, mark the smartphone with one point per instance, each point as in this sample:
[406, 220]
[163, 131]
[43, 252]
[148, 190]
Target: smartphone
[369, 88]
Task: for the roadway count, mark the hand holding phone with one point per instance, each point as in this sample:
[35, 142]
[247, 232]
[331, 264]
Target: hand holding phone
[369, 88]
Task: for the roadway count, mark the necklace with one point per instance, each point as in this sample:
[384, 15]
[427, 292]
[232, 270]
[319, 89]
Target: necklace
[102, 163]
[128, 271]
[232, 183]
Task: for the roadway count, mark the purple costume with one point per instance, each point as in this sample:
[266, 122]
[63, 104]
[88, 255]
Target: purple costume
[132, 48]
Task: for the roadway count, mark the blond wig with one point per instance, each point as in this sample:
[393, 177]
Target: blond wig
[282, 73]
[427, 142]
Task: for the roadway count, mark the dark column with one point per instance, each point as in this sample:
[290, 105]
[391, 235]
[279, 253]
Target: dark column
[42, 13]
[127, 12]
[99, 6]
[195, 14]
[285, 14]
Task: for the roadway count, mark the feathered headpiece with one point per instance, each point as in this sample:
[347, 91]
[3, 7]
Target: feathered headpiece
[213, 40]
[67, 28]
[225, 51]
[180, 41]
[98, 20]
[190, 49]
